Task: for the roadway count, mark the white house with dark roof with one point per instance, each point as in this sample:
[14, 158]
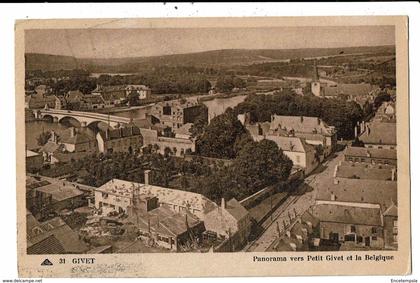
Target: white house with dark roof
[313, 129]
[361, 224]
[302, 155]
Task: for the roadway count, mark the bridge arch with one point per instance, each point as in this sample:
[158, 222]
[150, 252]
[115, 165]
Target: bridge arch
[72, 121]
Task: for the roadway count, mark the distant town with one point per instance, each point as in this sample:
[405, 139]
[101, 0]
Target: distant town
[271, 154]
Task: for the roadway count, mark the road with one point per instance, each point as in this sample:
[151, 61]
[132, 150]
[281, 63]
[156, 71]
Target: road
[295, 204]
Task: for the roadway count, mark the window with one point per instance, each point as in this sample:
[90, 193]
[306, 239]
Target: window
[395, 238]
[167, 110]
[374, 231]
[374, 238]
[353, 229]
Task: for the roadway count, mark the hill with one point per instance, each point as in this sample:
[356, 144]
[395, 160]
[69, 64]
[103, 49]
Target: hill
[212, 58]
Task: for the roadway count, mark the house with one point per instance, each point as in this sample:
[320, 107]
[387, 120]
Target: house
[118, 195]
[74, 100]
[175, 113]
[351, 92]
[371, 155]
[386, 113]
[123, 139]
[163, 227]
[143, 91]
[297, 237]
[341, 222]
[37, 102]
[31, 184]
[76, 140]
[302, 155]
[391, 227]
[112, 95]
[57, 196]
[92, 102]
[178, 145]
[34, 160]
[379, 135]
[382, 192]
[313, 129]
[365, 172]
[53, 236]
[60, 102]
[229, 221]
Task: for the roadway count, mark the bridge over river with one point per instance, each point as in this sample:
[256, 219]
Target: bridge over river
[84, 118]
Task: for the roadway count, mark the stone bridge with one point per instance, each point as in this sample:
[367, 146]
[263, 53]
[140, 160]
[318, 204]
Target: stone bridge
[84, 118]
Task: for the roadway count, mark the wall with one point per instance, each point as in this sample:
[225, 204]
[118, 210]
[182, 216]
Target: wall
[361, 230]
[389, 232]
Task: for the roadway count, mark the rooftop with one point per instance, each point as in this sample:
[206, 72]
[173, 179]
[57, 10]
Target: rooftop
[122, 132]
[359, 172]
[379, 133]
[60, 191]
[349, 89]
[301, 124]
[371, 152]
[348, 214]
[293, 144]
[67, 238]
[379, 192]
[165, 195]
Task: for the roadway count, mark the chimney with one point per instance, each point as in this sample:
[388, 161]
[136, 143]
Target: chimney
[301, 119]
[355, 131]
[336, 181]
[319, 121]
[223, 203]
[332, 197]
[147, 177]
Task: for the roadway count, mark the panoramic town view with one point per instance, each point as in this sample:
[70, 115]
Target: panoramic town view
[210, 140]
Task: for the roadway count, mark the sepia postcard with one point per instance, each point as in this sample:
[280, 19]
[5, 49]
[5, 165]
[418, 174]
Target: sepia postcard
[200, 147]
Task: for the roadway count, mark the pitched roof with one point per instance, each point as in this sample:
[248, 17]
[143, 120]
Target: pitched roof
[349, 89]
[380, 133]
[348, 214]
[93, 99]
[371, 152]
[293, 144]
[60, 191]
[301, 124]
[68, 239]
[391, 211]
[49, 245]
[361, 191]
[236, 209]
[50, 147]
[74, 136]
[359, 172]
[165, 195]
[122, 132]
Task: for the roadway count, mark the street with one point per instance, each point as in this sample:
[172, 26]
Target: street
[295, 204]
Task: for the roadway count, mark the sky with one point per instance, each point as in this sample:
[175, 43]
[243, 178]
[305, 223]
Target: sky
[120, 43]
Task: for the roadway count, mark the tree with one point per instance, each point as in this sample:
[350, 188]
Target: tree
[43, 138]
[220, 135]
[260, 164]
[133, 99]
